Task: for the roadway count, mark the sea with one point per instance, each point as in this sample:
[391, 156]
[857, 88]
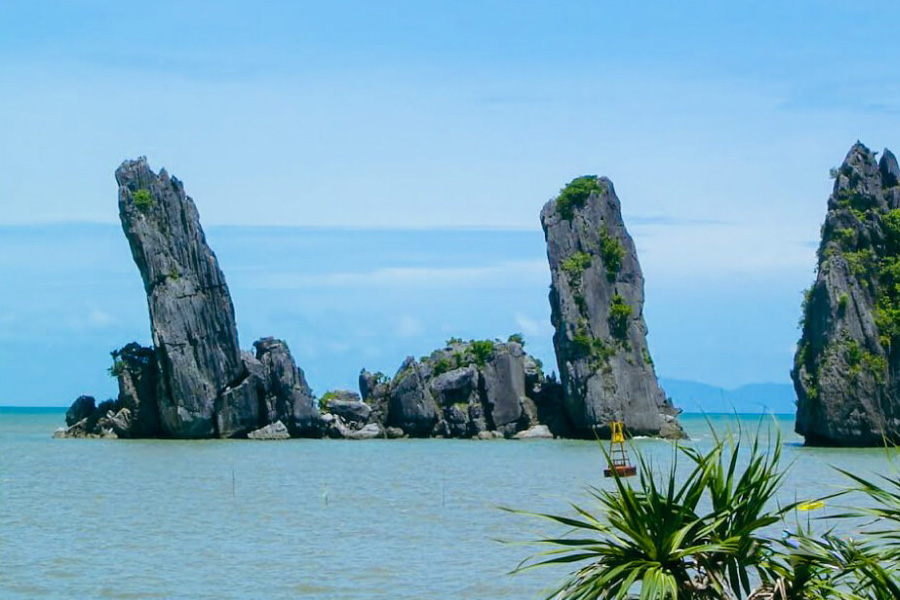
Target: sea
[135, 519]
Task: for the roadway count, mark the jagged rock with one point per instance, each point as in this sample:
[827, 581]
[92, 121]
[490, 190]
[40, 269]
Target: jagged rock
[348, 406]
[597, 301]
[368, 432]
[191, 313]
[847, 367]
[538, 432]
[462, 390]
[394, 433]
[83, 407]
[489, 435]
[136, 370]
[411, 406]
[272, 431]
[288, 397]
[504, 385]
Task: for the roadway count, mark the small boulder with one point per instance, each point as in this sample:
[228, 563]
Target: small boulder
[370, 431]
[272, 431]
[538, 432]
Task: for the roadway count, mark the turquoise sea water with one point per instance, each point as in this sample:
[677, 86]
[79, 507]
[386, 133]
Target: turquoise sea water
[305, 518]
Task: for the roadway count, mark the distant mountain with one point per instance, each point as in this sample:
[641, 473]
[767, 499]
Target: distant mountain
[693, 396]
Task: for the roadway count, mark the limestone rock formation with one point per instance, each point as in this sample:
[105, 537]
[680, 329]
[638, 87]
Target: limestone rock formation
[191, 314]
[847, 367]
[597, 300]
[464, 390]
[194, 382]
[287, 395]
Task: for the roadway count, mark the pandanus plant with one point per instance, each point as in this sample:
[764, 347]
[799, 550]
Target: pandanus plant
[702, 536]
[674, 537]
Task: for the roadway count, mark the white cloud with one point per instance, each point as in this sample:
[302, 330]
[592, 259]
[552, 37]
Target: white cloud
[408, 326]
[537, 328]
[525, 271]
[99, 318]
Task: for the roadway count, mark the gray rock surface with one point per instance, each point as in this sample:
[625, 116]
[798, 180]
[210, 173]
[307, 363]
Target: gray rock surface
[538, 432]
[195, 382]
[847, 367]
[272, 431]
[597, 301]
[411, 406]
[191, 313]
[287, 395]
[463, 390]
[138, 383]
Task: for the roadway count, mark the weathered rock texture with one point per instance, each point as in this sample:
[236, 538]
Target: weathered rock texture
[596, 301]
[847, 368]
[191, 314]
[194, 382]
[465, 390]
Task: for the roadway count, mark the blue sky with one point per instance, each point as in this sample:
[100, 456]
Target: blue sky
[717, 122]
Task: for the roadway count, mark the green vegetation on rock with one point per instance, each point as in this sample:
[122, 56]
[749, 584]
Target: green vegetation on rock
[574, 266]
[142, 200]
[576, 193]
[612, 252]
[619, 315]
[517, 338]
[481, 351]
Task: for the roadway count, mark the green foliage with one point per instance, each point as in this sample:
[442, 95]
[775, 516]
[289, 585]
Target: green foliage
[845, 237]
[804, 309]
[619, 315]
[575, 194]
[454, 341]
[612, 252]
[326, 398]
[645, 353]
[857, 201]
[891, 223]
[442, 366]
[659, 535]
[174, 274]
[481, 351]
[862, 262]
[702, 535]
[518, 338]
[458, 359]
[574, 266]
[142, 200]
[117, 368]
[843, 299]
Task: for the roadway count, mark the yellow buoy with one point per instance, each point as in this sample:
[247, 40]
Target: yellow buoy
[618, 457]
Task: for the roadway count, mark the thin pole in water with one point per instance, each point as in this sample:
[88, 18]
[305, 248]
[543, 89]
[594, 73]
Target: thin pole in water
[232, 481]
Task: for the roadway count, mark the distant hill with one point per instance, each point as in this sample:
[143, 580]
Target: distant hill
[693, 396]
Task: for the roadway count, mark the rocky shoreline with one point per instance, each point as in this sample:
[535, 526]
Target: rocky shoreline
[195, 381]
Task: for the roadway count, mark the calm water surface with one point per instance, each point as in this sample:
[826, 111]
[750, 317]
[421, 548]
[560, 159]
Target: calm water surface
[303, 518]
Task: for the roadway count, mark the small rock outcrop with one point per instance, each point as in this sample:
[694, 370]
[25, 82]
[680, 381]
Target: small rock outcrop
[596, 301]
[847, 366]
[464, 390]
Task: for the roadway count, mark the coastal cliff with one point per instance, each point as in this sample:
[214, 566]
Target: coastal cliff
[847, 366]
[596, 301]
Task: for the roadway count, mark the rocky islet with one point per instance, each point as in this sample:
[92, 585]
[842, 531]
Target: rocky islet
[847, 366]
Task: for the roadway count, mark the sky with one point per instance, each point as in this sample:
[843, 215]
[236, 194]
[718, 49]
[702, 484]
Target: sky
[396, 124]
